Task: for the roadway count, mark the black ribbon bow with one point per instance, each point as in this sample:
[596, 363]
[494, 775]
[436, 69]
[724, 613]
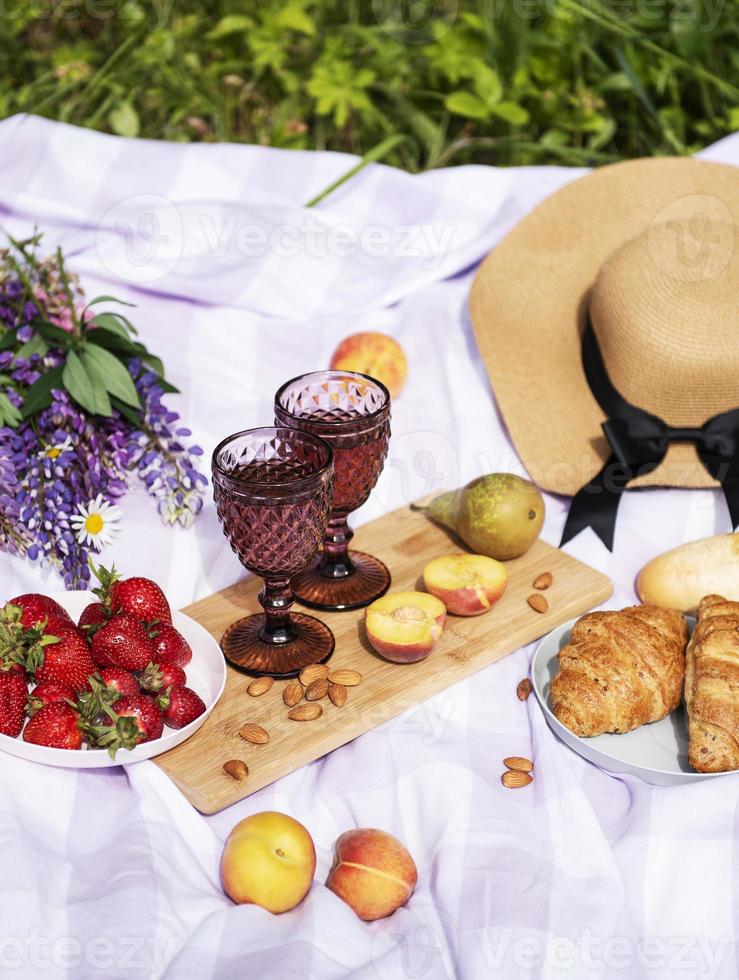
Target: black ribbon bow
[639, 442]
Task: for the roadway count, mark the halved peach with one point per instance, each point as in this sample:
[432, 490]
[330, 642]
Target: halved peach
[404, 626]
[468, 585]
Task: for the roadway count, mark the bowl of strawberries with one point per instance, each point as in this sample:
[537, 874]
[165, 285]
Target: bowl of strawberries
[102, 678]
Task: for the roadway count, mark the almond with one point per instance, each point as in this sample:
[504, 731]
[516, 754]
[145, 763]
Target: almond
[254, 734]
[538, 603]
[259, 686]
[519, 763]
[543, 581]
[348, 678]
[313, 673]
[305, 712]
[337, 694]
[316, 690]
[515, 780]
[293, 693]
[524, 689]
[236, 769]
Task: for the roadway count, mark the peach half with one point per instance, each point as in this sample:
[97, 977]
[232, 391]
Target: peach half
[468, 585]
[404, 626]
[375, 354]
[372, 872]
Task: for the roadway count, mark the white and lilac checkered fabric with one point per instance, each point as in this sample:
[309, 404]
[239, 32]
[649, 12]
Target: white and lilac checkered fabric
[238, 286]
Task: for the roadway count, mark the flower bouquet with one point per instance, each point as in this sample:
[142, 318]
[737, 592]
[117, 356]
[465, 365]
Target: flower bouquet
[81, 412]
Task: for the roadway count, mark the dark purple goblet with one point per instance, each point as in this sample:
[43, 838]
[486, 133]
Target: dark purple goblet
[273, 492]
[351, 412]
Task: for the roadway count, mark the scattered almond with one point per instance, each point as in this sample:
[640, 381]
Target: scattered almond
[348, 678]
[236, 769]
[514, 779]
[259, 686]
[337, 694]
[254, 734]
[538, 603]
[305, 712]
[524, 689]
[519, 763]
[293, 693]
[543, 581]
[315, 672]
[316, 690]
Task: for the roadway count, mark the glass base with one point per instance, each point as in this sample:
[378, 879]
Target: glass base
[245, 650]
[370, 580]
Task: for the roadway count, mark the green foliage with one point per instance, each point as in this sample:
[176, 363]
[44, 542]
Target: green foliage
[499, 81]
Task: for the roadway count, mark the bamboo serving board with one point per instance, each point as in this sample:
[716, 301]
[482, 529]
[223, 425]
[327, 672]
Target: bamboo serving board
[405, 541]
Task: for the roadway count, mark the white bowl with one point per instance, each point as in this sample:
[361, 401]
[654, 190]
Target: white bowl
[206, 674]
[656, 753]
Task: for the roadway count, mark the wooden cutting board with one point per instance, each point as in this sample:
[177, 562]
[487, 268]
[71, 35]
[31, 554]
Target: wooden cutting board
[405, 540]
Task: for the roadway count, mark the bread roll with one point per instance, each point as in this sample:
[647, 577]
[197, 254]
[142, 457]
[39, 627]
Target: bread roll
[680, 578]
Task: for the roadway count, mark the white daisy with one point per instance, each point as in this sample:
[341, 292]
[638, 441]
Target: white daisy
[54, 450]
[97, 523]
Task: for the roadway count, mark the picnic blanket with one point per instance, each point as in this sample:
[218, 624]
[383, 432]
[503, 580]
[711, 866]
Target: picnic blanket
[239, 286]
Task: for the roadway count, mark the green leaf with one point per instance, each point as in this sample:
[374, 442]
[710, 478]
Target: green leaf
[55, 335]
[231, 24]
[8, 339]
[36, 345]
[111, 373]
[113, 341]
[126, 411]
[466, 104]
[38, 395]
[112, 322]
[733, 118]
[511, 112]
[294, 18]
[488, 85]
[86, 390]
[124, 120]
[108, 299]
[9, 414]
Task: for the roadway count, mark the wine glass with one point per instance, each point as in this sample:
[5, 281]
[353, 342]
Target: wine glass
[352, 413]
[273, 491]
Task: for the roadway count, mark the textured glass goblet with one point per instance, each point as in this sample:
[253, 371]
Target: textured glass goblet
[352, 413]
[273, 491]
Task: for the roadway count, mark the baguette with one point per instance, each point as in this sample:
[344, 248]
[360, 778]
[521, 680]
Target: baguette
[680, 578]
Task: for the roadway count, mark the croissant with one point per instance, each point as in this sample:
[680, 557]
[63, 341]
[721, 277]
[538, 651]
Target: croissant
[712, 687]
[620, 670]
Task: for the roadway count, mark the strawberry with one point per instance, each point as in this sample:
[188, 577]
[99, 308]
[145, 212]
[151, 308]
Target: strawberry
[57, 625]
[56, 726]
[158, 677]
[67, 661]
[21, 648]
[142, 598]
[35, 608]
[119, 680]
[13, 694]
[181, 705]
[170, 646]
[133, 719]
[48, 692]
[123, 642]
[94, 615]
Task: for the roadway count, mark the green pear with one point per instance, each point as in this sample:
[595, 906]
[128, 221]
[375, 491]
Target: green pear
[499, 515]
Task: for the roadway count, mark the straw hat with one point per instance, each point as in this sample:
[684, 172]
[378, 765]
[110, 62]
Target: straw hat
[647, 252]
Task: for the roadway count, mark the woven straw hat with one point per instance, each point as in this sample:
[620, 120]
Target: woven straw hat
[648, 252]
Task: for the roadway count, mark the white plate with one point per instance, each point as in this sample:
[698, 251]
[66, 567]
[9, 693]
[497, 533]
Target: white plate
[656, 753]
[206, 674]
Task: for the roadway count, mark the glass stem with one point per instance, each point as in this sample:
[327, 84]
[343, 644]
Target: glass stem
[335, 561]
[276, 598]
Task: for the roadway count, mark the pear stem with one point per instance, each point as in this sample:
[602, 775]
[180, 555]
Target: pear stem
[418, 507]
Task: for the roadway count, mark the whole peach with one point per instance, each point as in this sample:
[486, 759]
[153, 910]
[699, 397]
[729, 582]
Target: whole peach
[372, 872]
[375, 354]
[269, 860]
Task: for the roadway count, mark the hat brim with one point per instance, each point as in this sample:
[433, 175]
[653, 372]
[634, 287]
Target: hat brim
[528, 306]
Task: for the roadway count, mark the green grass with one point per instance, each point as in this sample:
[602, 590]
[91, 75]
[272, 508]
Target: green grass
[493, 81]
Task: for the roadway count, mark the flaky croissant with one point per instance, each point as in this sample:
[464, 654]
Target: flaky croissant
[712, 687]
[620, 670]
